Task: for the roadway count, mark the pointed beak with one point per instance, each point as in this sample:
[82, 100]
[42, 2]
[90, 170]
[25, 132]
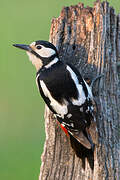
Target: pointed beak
[23, 46]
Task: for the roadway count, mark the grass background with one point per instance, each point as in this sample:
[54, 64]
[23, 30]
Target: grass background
[21, 107]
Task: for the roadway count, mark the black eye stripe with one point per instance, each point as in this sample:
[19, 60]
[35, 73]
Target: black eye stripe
[38, 47]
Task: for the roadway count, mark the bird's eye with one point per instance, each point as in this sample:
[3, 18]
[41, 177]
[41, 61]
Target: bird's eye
[38, 47]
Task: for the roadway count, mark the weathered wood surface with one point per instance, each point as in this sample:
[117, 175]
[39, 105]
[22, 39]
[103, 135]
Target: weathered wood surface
[89, 38]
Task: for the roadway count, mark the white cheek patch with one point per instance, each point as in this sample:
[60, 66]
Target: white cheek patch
[60, 109]
[45, 52]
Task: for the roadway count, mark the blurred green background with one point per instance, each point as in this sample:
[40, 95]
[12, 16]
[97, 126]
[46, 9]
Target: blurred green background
[21, 107]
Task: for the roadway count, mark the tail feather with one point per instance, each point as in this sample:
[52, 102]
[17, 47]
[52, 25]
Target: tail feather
[87, 137]
[81, 138]
[82, 152]
[83, 143]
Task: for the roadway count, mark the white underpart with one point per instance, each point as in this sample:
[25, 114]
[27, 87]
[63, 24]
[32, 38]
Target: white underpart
[81, 97]
[60, 109]
[52, 62]
[45, 52]
[31, 56]
[35, 61]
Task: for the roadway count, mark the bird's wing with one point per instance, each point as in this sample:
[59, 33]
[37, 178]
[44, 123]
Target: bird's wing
[45, 98]
[88, 109]
[57, 88]
[80, 124]
[66, 93]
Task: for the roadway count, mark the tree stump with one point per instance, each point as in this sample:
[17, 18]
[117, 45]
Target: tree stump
[89, 38]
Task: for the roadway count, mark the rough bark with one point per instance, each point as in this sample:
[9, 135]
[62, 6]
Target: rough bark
[89, 38]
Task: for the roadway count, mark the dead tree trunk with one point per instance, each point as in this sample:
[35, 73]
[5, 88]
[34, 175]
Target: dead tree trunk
[89, 38]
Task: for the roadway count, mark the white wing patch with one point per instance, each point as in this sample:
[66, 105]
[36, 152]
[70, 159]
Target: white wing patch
[69, 116]
[81, 99]
[59, 108]
[89, 90]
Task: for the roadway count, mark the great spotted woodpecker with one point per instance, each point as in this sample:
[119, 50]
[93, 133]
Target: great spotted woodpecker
[64, 91]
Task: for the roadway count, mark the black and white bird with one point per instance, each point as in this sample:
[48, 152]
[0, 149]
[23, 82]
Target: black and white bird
[64, 91]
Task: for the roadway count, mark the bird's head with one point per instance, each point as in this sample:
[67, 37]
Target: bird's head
[41, 53]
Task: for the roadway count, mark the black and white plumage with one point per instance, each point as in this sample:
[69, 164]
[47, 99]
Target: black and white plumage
[64, 91]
